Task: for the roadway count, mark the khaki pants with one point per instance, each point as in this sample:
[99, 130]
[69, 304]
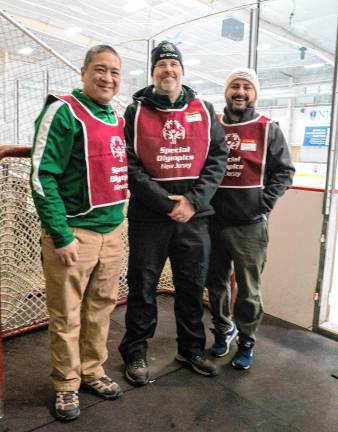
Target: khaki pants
[80, 299]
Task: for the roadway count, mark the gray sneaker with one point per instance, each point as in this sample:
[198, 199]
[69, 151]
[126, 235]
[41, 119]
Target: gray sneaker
[104, 387]
[200, 364]
[137, 371]
[67, 405]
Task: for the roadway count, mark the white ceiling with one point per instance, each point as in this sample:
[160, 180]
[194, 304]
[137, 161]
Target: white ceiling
[286, 26]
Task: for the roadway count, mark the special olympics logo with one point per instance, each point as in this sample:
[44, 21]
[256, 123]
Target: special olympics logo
[173, 131]
[168, 47]
[232, 141]
[117, 148]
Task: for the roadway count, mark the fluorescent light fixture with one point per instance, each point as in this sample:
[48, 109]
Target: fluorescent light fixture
[314, 65]
[73, 30]
[191, 62]
[133, 6]
[263, 47]
[136, 72]
[25, 51]
[198, 81]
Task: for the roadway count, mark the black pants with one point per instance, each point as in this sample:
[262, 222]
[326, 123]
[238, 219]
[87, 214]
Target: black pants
[188, 247]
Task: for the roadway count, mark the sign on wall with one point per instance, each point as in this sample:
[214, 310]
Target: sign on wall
[316, 136]
[317, 129]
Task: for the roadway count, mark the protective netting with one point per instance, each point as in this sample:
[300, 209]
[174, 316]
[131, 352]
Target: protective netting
[28, 72]
[21, 278]
[22, 283]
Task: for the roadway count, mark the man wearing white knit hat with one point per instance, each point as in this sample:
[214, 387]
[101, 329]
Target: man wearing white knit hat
[259, 171]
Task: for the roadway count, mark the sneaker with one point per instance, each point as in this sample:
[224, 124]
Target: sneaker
[222, 343]
[200, 364]
[243, 358]
[104, 387]
[67, 405]
[137, 371]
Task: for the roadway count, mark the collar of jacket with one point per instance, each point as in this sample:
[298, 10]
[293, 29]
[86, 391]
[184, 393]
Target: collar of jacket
[148, 97]
[94, 107]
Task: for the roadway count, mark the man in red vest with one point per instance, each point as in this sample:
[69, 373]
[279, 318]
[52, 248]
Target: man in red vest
[259, 171]
[176, 159]
[79, 186]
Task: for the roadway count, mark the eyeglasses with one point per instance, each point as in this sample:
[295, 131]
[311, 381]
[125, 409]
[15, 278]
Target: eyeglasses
[164, 65]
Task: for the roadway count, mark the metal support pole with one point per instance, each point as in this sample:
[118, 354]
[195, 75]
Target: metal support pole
[333, 142]
[253, 39]
[17, 97]
[289, 113]
[46, 81]
[323, 286]
[151, 44]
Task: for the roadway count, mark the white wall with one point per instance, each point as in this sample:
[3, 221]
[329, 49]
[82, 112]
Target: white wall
[290, 276]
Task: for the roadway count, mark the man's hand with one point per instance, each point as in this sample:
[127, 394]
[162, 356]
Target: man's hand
[68, 254]
[183, 210]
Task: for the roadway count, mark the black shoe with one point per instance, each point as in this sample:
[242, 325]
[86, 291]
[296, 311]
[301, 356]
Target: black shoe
[200, 364]
[105, 387]
[67, 405]
[137, 371]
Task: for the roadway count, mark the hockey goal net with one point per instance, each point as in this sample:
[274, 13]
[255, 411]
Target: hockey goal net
[29, 70]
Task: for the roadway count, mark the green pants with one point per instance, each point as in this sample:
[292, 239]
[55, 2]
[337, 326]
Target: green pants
[245, 247]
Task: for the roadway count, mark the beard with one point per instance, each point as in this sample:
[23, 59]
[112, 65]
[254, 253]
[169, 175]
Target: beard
[169, 85]
[237, 110]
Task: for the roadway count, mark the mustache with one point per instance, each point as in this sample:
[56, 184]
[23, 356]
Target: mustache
[235, 96]
[168, 75]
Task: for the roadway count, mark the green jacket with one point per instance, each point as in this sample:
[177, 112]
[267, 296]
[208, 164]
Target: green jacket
[59, 175]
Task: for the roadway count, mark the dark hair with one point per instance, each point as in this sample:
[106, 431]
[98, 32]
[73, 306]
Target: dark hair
[97, 49]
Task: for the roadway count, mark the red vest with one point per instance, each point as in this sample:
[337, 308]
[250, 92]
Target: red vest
[247, 144]
[106, 159]
[172, 144]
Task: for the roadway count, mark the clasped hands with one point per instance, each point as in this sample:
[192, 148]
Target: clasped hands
[183, 210]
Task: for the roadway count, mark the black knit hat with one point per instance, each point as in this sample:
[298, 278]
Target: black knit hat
[165, 50]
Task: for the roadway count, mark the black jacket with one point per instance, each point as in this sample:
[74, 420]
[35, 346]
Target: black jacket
[244, 206]
[149, 198]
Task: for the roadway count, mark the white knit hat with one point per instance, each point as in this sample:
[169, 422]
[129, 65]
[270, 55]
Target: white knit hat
[246, 74]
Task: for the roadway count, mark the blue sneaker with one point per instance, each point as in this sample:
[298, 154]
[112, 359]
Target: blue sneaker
[243, 358]
[222, 343]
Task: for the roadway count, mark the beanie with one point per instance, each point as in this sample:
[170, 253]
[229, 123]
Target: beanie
[246, 74]
[165, 50]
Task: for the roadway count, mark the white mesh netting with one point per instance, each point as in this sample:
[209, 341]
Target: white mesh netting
[21, 278]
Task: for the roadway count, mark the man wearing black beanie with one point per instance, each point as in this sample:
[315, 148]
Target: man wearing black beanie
[165, 50]
[177, 158]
